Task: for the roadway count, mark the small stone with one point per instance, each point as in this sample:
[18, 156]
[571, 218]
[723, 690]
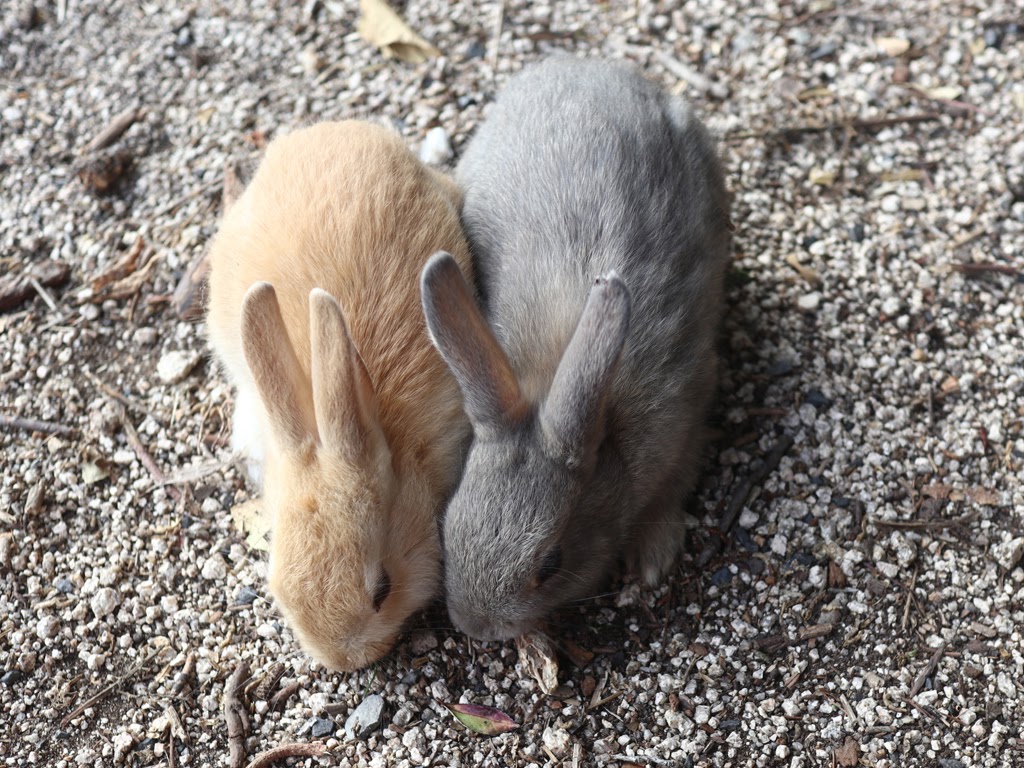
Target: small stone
[809, 301]
[365, 718]
[422, 642]
[12, 677]
[246, 596]
[722, 576]
[145, 336]
[48, 627]
[175, 366]
[6, 549]
[402, 717]
[323, 726]
[310, 60]
[436, 148]
[890, 203]
[64, 586]
[214, 569]
[556, 739]
[123, 742]
[748, 518]
[105, 602]
[1009, 553]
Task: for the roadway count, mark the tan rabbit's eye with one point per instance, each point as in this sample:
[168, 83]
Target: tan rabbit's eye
[383, 590]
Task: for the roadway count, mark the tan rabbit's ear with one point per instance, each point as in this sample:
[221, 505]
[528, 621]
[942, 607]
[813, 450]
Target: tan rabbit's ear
[275, 368]
[489, 386]
[573, 414]
[343, 394]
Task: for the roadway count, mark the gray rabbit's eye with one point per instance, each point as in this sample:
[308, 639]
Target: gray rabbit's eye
[382, 591]
[550, 565]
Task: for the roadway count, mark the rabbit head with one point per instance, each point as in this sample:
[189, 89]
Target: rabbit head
[519, 536]
[345, 568]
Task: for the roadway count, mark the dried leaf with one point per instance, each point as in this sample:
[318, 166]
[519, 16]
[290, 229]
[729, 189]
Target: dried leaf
[92, 473]
[250, 519]
[580, 656]
[123, 267]
[537, 654]
[817, 92]
[17, 289]
[984, 496]
[937, 491]
[821, 177]
[943, 92]
[479, 719]
[903, 174]
[836, 577]
[848, 755]
[382, 27]
[808, 274]
[893, 46]
[950, 385]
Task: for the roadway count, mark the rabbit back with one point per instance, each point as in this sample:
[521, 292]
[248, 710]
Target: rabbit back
[346, 207]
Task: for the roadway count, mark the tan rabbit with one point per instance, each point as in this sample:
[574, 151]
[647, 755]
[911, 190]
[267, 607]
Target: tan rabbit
[353, 416]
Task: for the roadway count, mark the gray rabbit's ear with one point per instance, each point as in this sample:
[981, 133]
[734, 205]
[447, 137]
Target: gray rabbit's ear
[343, 395]
[275, 368]
[490, 391]
[573, 414]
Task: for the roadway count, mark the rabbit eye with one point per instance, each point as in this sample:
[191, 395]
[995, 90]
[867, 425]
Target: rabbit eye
[382, 591]
[550, 565]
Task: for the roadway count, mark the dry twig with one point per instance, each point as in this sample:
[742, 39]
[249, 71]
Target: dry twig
[106, 690]
[34, 425]
[236, 715]
[120, 123]
[928, 671]
[309, 749]
[147, 460]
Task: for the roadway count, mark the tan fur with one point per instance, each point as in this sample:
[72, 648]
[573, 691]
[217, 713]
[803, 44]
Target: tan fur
[346, 208]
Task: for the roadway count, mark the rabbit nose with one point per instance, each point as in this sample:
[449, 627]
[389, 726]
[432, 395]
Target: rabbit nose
[481, 627]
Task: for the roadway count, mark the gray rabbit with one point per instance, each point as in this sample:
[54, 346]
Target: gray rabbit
[597, 213]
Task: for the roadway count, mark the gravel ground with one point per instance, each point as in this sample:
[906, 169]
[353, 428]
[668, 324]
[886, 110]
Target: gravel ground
[867, 607]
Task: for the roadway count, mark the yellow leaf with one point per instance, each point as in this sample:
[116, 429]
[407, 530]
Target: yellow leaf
[92, 473]
[893, 46]
[251, 520]
[943, 92]
[821, 177]
[903, 174]
[817, 92]
[384, 28]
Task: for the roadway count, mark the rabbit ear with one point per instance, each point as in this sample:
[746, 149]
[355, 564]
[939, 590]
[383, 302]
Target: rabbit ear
[573, 414]
[275, 368]
[461, 334]
[343, 394]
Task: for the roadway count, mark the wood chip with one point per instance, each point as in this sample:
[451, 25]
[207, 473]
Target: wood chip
[101, 174]
[15, 290]
[848, 755]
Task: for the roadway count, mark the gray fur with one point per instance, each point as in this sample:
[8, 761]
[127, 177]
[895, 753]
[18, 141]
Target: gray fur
[582, 168]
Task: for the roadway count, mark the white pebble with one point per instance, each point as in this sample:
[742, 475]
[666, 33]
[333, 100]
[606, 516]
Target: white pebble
[556, 739]
[48, 627]
[175, 366]
[214, 569]
[105, 602]
[809, 301]
[436, 148]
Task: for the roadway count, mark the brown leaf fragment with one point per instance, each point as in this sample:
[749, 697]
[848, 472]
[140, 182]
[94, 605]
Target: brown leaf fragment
[15, 290]
[937, 491]
[537, 654]
[379, 25]
[984, 496]
[950, 385]
[121, 268]
[191, 294]
[578, 655]
[130, 286]
[101, 174]
[836, 577]
[848, 755]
